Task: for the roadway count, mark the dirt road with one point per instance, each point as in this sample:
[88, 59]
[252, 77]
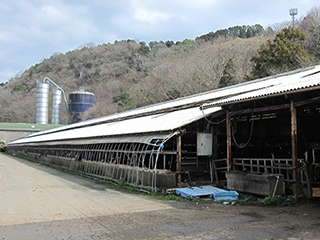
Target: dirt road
[37, 202]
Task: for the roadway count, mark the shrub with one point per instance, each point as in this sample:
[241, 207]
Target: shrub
[278, 201]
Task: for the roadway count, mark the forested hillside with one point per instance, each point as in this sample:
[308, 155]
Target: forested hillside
[127, 74]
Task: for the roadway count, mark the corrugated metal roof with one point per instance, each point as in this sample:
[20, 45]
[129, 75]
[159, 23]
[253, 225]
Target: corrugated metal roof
[147, 139]
[163, 122]
[222, 95]
[277, 85]
[197, 99]
[168, 116]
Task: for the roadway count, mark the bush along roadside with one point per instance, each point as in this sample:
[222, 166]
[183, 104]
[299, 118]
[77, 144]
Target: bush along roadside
[247, 199]
[278, 201]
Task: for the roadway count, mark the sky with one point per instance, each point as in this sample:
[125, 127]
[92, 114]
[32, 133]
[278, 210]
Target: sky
[33, 30]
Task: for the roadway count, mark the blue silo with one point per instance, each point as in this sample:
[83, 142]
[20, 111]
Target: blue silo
[79, 102]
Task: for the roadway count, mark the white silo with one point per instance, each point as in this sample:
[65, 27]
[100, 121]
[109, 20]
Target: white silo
[56, 106]
[42, 111]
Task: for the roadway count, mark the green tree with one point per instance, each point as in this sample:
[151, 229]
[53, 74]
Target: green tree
[19, 87]
[143, 49]
[286, 52]
[152, 44]
[258, 30]
[123, 99]
[229, 74]
[169, 43]
[242, 33]
[249, 32]
[187, 44]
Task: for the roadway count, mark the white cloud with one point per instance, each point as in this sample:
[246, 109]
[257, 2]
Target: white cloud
[53, 14]
[34, 29]
[150, 17]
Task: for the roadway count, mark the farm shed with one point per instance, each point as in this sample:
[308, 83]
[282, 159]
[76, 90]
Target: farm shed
[261, 129]
[274, 129]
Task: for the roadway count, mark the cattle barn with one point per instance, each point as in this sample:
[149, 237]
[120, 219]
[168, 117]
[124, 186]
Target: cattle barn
[260, 136]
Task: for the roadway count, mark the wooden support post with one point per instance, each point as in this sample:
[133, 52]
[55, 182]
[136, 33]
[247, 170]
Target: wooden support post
[179, 158]
[229, 151]
[294, 140]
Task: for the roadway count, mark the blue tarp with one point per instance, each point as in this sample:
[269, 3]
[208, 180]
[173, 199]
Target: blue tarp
[207, 191]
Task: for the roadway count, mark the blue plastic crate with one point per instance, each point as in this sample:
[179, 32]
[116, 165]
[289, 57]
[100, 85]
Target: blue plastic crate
[207, 191]
[226, 196]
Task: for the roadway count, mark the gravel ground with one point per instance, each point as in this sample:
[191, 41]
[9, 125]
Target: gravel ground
[38, 202]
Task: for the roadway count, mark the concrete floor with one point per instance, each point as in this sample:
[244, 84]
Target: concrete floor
[38, 202]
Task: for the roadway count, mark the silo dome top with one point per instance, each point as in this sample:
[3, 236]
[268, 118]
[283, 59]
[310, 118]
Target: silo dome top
[82, 91]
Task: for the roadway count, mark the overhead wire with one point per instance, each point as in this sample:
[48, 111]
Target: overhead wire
[233, 133]
[204, 116]
[250, 135]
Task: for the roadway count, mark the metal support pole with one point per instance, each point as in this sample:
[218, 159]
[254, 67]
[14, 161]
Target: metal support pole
[229, 151]
[179, 158]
